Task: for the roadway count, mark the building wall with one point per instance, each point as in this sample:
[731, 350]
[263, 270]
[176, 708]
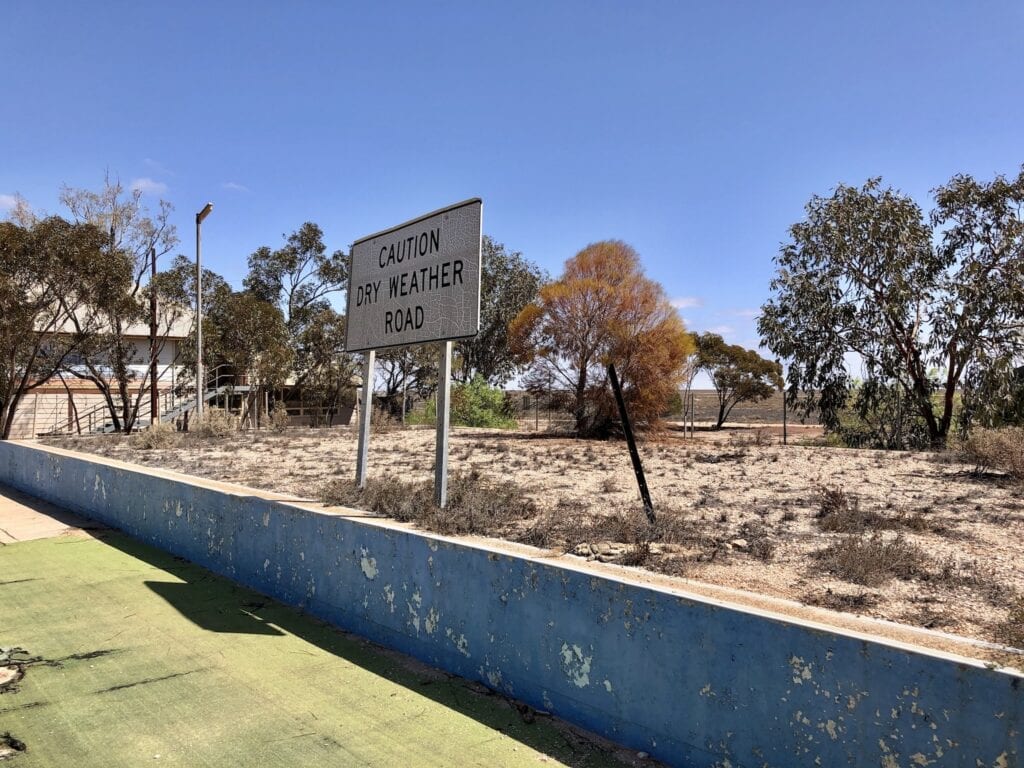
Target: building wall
[692, 681]
[48, 405]
[166, 370]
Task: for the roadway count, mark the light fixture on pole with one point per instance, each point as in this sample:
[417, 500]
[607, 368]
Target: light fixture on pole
[200, 384]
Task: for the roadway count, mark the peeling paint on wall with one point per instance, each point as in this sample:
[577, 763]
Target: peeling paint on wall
[368, 565]
[430, 623]
[575, 665]
[461, 643]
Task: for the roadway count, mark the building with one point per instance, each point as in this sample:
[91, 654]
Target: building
[68, 404]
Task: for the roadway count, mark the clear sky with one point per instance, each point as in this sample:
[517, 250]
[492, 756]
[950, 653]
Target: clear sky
[694, 131]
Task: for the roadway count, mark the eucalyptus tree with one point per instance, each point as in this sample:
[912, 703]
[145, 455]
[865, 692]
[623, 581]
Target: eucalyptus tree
[251, 336]
[738, 375]
[56, 278]
[300, 278]
[140, 237]
[508, 283]
[927, 305]
[176, 286]
[321, 365]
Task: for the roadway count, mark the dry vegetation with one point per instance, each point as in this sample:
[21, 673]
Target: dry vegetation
[930, 540]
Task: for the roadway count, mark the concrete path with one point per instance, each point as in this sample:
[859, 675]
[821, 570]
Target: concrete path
[133, 657]
[24, 518]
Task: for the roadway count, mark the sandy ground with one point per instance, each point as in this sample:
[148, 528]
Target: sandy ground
[753, 500]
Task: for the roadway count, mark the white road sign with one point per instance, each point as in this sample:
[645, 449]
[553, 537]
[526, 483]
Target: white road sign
[417, 282]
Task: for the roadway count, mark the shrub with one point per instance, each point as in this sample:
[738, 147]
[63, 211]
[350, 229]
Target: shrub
[839, 512]
[570, 525]
[477, 404]
[674, 406]
[216, 422]
[388, 496]
[839, 601]
[476, 505]
[278, 419]
[382, 420]
[427, 416]
[159, 435]
[566, 526]
[871, 560]
[880, 415]
[759, 540]
[1000, 449]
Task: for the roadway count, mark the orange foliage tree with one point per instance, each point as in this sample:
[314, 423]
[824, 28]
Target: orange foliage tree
[601, 310]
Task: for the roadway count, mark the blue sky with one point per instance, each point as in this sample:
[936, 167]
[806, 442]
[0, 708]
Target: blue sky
[694, 131]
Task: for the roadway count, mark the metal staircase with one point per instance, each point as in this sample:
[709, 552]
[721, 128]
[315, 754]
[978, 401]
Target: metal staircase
[172, 404]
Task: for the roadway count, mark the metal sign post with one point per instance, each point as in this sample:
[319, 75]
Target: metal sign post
[444, 384]
[364, 419]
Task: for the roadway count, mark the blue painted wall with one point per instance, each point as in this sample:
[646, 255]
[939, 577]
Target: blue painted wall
[690, 682]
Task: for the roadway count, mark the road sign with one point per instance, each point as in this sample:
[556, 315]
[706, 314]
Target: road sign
[417, 282]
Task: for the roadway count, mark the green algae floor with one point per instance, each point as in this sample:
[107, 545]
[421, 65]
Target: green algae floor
[144, 659]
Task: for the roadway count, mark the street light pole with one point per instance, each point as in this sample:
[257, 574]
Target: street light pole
[200, 382]
[154, 404]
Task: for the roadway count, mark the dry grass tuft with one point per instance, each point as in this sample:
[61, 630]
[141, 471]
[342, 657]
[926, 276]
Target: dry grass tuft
[476, 505]
[841, 601]
[840, 512]
[1011, 631]
[871, 560]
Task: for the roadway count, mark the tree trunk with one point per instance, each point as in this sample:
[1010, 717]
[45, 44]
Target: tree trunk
[948, 398]
[10, 407]
[936, 431]
[109, 400]
[580, 404]
[72, 408]
[936, 434]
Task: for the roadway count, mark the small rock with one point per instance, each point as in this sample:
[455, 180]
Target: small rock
[608, 551]
[741, 544]
[582, 550]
